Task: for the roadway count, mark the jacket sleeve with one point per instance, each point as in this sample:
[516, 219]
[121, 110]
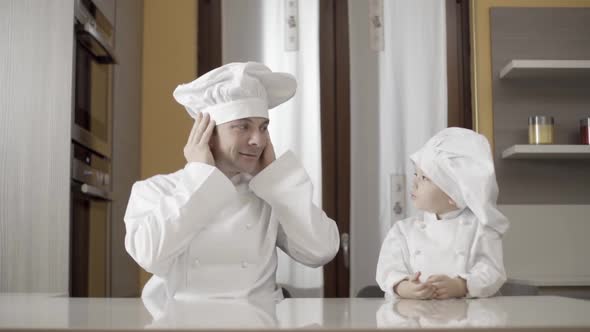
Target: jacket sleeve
[305, 231]
[393, 264]
[486, 272]
[165, 212]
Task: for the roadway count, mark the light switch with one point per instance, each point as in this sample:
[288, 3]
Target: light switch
[376, 33]
[398, 197]
[291, 25]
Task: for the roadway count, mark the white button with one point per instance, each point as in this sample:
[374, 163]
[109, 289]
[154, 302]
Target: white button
[248, 226]
[423, 226]
[417, 252]
[244, 265]
[196, 262]
[464, 222]
[460, 253]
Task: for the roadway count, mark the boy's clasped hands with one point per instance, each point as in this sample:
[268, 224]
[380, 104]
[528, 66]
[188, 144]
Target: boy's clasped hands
[439, 287]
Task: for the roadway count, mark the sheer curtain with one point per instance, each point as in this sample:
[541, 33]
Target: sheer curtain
[398, 101]
[254, 30]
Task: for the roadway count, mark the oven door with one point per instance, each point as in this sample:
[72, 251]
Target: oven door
[92, 116]
[89, 241]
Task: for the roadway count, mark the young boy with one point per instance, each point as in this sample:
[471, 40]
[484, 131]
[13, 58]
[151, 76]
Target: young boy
[455, 248]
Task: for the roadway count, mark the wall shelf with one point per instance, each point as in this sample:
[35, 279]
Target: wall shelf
[520, 68]
[553, 151]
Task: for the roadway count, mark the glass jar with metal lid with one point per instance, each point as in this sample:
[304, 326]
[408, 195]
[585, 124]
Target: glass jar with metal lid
[541, 129]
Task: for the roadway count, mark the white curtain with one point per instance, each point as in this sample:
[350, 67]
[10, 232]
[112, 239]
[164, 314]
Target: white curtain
[254, 30]
[398, 101]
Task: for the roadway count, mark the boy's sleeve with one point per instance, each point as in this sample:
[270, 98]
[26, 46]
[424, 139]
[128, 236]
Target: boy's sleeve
[393, 264]
[486, 272]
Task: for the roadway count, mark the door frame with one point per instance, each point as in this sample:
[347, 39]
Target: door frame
[459, 64]
[335, 134]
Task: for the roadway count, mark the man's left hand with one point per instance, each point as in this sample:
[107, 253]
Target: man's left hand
[447, 287]
[267, 157]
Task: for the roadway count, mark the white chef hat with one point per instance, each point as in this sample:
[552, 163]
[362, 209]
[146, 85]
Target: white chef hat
[459, 161]
[236, 91]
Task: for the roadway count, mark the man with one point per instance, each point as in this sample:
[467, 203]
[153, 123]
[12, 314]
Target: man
[210, 230]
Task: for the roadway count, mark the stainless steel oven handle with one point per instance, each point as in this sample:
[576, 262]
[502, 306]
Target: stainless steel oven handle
[95, 192]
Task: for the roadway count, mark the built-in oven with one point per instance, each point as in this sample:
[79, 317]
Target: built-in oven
[90, 194]
[90, 204]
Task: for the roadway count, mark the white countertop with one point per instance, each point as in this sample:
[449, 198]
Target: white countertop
[37, 312]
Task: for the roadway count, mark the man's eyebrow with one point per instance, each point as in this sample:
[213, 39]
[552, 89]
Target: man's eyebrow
[251, 121]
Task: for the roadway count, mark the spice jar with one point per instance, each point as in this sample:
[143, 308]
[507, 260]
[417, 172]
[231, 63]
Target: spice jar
[540, 129]
[585, 131]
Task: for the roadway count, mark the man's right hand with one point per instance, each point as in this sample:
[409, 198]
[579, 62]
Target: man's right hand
[414, 289]
[197, 147]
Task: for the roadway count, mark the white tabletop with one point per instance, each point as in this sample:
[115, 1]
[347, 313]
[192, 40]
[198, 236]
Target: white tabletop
[34, 312]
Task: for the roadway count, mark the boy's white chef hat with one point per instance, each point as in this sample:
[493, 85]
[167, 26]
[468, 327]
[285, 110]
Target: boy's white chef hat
[459, 161]
[236, 91]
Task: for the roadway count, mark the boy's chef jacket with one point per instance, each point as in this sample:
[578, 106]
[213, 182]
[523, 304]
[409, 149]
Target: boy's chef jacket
[466, 242]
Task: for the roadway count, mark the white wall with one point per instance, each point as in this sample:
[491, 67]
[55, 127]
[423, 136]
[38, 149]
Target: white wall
[36, 47]
[242, 35]
[364, 118]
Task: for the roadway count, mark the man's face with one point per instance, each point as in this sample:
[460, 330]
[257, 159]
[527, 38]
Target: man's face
[238, 145]
[427, 196]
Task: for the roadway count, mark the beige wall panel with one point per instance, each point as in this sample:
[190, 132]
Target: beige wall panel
[169, 59]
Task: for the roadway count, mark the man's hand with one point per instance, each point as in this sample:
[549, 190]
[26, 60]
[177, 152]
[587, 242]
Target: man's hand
[197, 147]
[414, 289]
[447, 287]
[268, 155]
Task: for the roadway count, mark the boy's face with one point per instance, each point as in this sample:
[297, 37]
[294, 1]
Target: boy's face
[427, 196]
[237, 145]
